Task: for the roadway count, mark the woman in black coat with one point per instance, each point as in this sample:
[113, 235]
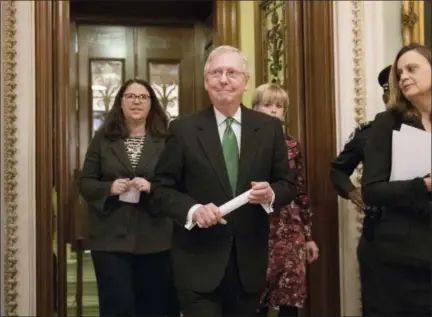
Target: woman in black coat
[130, 247]
[400, 272]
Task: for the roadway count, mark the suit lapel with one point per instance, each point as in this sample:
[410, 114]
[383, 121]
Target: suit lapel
[119, 150]
[209, 139]
[149, 150]
[248, 147]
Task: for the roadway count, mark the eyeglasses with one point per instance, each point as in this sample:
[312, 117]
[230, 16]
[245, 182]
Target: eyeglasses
[230, 73]
[132, 97]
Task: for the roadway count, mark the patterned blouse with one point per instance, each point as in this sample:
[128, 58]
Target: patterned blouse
[134, 147]
[289, 231]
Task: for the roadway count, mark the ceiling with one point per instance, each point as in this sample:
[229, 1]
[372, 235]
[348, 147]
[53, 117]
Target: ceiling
[140, 10]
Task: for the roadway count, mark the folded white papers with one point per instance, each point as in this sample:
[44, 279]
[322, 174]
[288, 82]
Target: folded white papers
[411, 153]
[234, 203]
[426, 137]
[131, 196]
[229, 206]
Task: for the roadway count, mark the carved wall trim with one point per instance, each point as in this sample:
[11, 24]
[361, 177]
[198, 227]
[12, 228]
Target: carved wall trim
[8, 57]
[351, 102]
[412, 21]
[359, 83]
[359, 99]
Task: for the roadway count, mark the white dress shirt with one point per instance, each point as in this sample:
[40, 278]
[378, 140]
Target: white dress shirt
[236, 127]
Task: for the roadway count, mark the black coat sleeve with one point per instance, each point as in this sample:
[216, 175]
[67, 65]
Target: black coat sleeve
[377, 189]
[344, 165]
[93, 188]
[166, 198]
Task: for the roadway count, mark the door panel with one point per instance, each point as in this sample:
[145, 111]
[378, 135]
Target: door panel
[102, 58]
[166, 49]
[99, 43]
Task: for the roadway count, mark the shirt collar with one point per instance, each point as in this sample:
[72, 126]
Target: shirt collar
[220, 117]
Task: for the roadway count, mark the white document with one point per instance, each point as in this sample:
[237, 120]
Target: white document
[411, 153]
[232, 205]
[131, 196]
[414, 132]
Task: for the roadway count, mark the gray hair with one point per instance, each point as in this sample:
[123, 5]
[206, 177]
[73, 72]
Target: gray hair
[227, 49]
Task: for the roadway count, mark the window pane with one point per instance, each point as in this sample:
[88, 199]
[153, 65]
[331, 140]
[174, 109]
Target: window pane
[165, 78]
[106, 79]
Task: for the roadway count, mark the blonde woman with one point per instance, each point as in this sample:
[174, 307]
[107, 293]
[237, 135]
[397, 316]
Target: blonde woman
[290, 239]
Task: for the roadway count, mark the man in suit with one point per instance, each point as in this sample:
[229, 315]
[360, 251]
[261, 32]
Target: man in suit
[209, 158]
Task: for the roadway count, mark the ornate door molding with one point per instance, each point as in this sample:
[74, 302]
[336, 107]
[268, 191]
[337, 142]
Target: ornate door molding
[9, 155]
[413, 23]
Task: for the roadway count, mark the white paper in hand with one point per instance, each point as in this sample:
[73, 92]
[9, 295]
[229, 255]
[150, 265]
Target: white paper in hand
[229, 206]
[411, 154]
[131, 196]
[234, 203]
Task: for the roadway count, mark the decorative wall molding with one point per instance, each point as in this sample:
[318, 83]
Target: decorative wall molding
[359, 103]
[412, 12]
[359, 85]
[350, 104]
[9, 74]
[366, 43]
[18, 161]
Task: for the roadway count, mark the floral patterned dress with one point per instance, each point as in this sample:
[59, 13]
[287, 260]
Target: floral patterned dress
[290, 229]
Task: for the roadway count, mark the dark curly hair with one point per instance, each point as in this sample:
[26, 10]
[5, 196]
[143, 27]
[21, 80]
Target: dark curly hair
[115, 126]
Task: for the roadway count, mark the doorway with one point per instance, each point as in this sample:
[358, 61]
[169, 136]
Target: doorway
[84, 50]
[168, 52]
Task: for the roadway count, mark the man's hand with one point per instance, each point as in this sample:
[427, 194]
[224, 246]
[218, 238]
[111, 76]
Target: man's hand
[356, 198]
[208, 216]
[261, 193]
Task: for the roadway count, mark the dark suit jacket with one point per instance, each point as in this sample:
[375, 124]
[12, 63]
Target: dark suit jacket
[191, 170]
[116, 225]
[405, 232]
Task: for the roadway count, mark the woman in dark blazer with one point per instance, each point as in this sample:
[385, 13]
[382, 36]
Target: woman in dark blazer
[400, 255]
[130, 247]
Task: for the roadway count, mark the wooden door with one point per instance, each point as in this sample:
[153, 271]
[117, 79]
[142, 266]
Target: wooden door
[166, 59]
[102, 58]
[105, 59]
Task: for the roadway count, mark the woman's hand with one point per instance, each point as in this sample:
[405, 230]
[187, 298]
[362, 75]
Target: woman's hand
[427, 181]
[119, 186]
[312, 251]
[141, 184]
[356, 198]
